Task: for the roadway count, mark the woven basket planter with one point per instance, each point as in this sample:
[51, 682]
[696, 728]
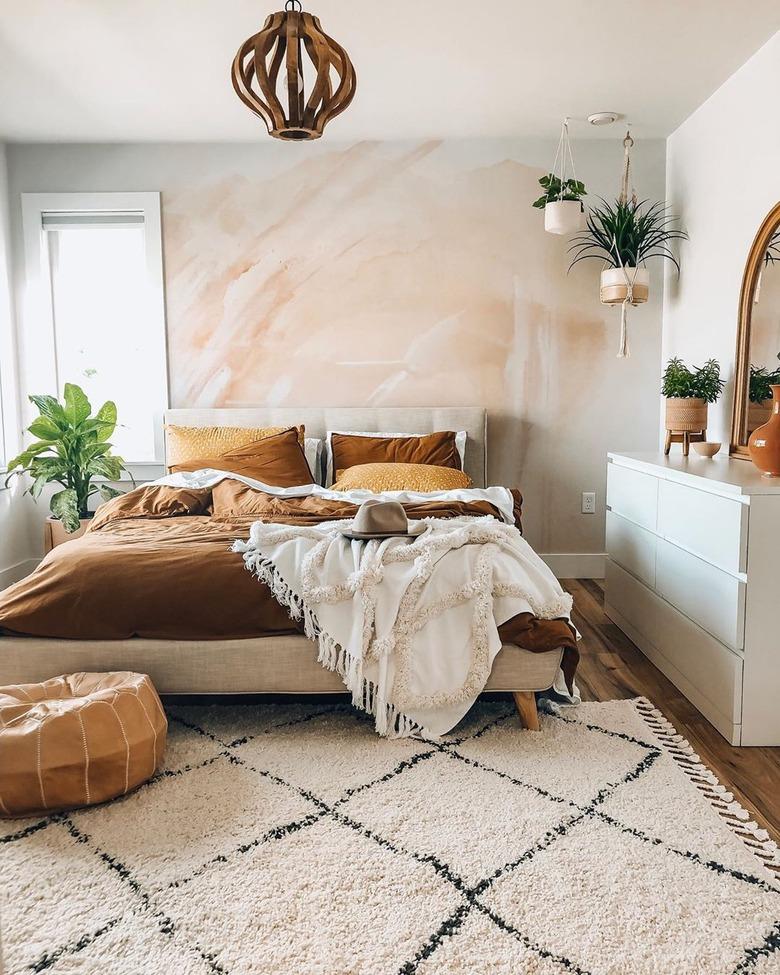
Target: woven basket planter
[686, 414]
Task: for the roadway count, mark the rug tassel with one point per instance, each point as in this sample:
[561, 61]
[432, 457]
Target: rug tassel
[723, 801]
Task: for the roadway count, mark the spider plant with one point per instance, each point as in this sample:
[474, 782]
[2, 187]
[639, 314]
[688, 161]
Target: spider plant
[627, 234]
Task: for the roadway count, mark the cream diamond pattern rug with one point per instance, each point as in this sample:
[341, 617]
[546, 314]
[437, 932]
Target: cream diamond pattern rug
[291, 839]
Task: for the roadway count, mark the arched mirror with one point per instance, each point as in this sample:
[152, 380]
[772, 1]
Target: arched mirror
[758, 334]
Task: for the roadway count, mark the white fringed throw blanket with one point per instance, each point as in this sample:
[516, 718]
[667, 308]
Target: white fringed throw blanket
[410, 625]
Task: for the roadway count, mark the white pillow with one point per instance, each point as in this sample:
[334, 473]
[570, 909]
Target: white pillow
[312, 449]
[460, 445]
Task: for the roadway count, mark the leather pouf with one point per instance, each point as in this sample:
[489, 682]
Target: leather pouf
[77, 740]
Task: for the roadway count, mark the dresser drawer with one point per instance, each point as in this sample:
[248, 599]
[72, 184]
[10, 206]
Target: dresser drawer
[633, 495]
[707, 595]
[632, 547]
[706, 524]
[706, 671]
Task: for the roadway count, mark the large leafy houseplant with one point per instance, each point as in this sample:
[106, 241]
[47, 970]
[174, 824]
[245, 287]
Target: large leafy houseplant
[71, 449]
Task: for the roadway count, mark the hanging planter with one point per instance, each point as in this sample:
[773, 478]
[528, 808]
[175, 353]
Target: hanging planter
[619, 284]
[563, 192]
[624, 235]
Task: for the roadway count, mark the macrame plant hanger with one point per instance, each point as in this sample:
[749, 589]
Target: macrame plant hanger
[562, 153]
[627, 192]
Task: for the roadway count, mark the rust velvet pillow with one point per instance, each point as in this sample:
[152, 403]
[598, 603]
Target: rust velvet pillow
[277, 460]
[347, 450]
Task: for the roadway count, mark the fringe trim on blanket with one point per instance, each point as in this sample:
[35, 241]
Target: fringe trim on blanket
[733, 814]
[365, 694]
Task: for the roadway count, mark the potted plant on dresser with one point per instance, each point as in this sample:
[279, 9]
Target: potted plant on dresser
[760, 394]
[688, 392]
[70, 449]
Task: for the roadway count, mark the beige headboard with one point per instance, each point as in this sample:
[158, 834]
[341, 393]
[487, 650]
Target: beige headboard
[382, 419]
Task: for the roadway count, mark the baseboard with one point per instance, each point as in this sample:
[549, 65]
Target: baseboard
[576, 565]
[16, 572]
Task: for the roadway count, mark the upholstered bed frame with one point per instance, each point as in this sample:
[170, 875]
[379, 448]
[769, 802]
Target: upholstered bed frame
[275, 664]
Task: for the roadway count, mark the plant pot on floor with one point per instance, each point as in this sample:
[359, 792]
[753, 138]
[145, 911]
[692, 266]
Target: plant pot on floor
[614, 285]
[563, 217]
[54, 533]
[686, 421]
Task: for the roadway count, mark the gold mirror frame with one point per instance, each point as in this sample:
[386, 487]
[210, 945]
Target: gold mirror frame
[742, 374]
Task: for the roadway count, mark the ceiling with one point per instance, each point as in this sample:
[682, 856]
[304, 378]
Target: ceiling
[136, 70]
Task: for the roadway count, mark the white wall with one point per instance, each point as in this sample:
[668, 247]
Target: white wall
[722, 177]
[16, 547]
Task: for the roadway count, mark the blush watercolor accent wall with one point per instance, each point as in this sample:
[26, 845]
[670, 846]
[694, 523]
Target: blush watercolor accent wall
[396, 274]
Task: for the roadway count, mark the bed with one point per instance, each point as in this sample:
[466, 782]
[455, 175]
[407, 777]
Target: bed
[102, 568]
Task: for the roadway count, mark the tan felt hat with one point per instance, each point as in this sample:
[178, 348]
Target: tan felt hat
[380, 519]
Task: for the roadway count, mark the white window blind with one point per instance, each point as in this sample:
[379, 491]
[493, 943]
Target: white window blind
[102, 269]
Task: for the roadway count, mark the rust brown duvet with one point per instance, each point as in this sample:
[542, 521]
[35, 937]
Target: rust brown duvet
[156, 563]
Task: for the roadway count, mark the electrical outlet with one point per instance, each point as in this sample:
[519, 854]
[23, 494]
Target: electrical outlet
[589, 502]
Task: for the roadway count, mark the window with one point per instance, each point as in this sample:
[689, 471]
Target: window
[94, 275]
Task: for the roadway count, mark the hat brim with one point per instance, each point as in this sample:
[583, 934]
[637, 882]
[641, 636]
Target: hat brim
[367, 536]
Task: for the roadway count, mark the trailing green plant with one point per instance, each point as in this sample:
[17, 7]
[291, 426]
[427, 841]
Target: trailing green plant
[627, 234]
[571, 189]
[761, 382]
[71, 449]
[702, 382]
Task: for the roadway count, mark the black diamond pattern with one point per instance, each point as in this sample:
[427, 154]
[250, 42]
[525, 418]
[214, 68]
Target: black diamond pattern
[572, 813]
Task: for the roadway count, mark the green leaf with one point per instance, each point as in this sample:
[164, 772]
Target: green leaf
[24, 459]
[77, 406]
[106, 415]
[64, 505]
[44, 429]
[108, 467]
[51, 408]
[109, 492]
[38, 485]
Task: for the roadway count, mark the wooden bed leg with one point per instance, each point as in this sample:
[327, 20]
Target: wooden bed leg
[525, 701]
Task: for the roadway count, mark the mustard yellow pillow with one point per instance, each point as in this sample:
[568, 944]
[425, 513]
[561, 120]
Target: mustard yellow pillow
[185, 444]
[400, 477]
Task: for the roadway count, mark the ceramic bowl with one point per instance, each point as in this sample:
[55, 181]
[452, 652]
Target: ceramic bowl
[707, 449]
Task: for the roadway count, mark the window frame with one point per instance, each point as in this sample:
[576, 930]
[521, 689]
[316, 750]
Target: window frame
[40, 334]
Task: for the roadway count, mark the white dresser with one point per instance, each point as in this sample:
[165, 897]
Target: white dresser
[693, 578]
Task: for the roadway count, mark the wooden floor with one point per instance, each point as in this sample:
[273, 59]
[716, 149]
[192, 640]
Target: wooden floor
[612, 667]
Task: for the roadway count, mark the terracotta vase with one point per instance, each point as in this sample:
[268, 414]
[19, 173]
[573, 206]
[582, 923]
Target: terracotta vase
[764, 443]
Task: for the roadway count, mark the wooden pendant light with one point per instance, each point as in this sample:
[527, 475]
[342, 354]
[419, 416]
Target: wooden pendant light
[258, 63]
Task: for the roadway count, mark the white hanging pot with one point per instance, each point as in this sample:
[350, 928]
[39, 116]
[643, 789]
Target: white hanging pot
[614, 286]
[563, 217]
